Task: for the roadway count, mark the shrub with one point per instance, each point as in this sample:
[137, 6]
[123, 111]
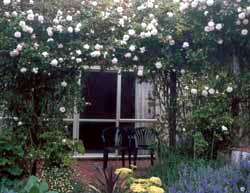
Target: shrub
[62, 180]
[32, 186]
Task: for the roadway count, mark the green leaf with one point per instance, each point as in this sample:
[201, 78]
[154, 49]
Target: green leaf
[32, 180]
[44, 187]
[34, 189]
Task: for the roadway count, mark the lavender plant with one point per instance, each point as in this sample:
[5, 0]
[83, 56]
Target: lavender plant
[229, 179]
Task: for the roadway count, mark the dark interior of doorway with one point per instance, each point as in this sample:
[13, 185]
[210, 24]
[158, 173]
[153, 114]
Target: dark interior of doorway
[100, 91]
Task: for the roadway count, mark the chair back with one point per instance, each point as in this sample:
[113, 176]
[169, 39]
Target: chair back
[114, 137]
[145, 136]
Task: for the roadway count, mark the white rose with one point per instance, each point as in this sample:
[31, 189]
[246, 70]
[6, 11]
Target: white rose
[60, 46]
[119, 9]
[229, 89]
[30, 30]
[243, 189]
[54, 62]
[23, 70]
[70, 29]
[77, 29]
[224, 128]
[20, 123]
[78, 60]
[98, 46]
[14, 14]
[126, 37]
[62, 109]
[96, 53]
[185, 45]
[171, 42]
[59, 28]
[194, 4]
[78, 52]
[144, 25]
[245, 21]
[211, 24]
[170, 14]
[194, 91]
[69, 18]
[45, 54]
[132, 48]
[128, 55]
[148, 34]
[6, 2]
[218, 26]
[35, 70]
[94, 3]
[135, 58]
[114, 61]
[154, 32]
[56, 21]
[242, 15]
[140, 71]
[158, 65]
[244, 32]
[18, 34]
[211, 91]
[204, 93]
[19, 47]
[220, 41]
[50, 33]
[64, 84]
[14, 53]
[210, 2]
[86, 46]
[40, 18]
[22, 23]
[30, 17]
[142, 50]
[131, 32]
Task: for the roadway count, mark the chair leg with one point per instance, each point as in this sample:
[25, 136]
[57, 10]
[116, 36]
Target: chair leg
[105, 158]
[152, 157]
[129, 158]
[123, 158]
[135, 156]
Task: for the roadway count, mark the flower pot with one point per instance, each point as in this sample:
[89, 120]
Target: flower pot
[239, 154]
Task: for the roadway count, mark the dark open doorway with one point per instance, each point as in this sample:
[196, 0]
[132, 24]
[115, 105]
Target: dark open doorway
[100, 94]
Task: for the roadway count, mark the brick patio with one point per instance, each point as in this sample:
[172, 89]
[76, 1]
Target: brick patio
[87, 171]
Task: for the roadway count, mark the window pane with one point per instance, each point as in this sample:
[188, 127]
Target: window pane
[128, 96]
[99, 91]
[90, 134]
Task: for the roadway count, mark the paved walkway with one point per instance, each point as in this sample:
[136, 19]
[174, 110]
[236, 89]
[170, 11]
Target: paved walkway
[87, 168]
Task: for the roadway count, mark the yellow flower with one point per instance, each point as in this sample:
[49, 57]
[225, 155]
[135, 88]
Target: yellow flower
[155, 189]
[140, 181]
[123, 172]
[155, 180]
[137, 188]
